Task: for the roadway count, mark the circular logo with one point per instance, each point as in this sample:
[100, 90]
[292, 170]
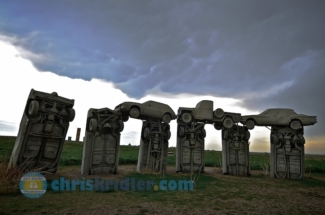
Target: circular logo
[33, 185]
[156, 187]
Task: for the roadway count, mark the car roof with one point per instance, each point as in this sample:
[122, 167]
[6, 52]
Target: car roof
[279, 109]
[153, 102]
[287, 110]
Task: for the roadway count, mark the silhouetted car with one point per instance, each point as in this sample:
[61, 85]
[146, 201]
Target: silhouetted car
[203, 112]
[278, 116]
[146, 110]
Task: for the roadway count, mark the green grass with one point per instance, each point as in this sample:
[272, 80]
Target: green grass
[72, 155]
[214, 193]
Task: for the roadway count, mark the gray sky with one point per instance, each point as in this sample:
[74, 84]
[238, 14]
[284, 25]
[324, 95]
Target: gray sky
[268, 53]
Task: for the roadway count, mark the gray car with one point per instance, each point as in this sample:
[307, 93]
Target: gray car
[149, 109]
[203, 112]
[278, 116]
[42, 131]
[102, 141]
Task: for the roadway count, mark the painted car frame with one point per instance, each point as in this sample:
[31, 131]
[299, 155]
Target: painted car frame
[42, 131]
[102, 141]
[278, 117]
[203, 112]
[146, 110]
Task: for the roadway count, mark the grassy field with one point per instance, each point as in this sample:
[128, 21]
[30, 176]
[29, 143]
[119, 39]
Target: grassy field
[214, 192]
[72, 155]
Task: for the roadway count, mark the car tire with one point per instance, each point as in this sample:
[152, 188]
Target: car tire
[219, 113]
[250, 124]
[134, 112]
[295, 124]
[302, 139]
[225, 134]
[274, 139]
[125, 118]
[247, 135]
[168, 134]
[228, 123]
[72, 114]
[120, 126]
[217, 126]
[186, 117]
[166, 118]
[33, 108]
[166, 126]
[181, 131]
[204, 133]
[146, 133]
[93, 125]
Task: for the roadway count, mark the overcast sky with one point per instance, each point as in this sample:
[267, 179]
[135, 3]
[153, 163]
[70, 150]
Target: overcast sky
[244, 55]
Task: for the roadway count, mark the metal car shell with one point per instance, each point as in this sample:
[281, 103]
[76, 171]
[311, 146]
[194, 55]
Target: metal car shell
[146, 110]
[42, 131]
[203, 112]
[278, 117]
[102, 142]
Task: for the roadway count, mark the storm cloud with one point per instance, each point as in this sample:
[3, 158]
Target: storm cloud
[268, 53]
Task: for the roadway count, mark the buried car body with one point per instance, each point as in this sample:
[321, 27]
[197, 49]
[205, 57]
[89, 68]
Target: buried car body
[146, 110]
[278, 116]
[42, 131]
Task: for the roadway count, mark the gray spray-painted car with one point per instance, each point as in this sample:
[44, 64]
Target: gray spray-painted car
[146, 110]
[102, 141]
[277, 117]
[203, 112]
[42, 131]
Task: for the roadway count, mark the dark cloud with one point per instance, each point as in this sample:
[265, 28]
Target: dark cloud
[268, 53]
[305, 95]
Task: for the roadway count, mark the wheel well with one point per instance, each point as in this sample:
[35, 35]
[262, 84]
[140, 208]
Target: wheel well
[168, 114]
[251, 119]
[135, 106]
[187, 111]
[179, 117]
[228, 116]
[296, 120]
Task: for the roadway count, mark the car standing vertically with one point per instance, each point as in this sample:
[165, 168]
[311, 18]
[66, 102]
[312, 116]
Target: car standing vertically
[42, 131]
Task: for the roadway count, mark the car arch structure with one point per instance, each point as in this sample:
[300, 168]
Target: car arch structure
[47, 116]
[286, 138]
[191, 133]
[155, 132]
